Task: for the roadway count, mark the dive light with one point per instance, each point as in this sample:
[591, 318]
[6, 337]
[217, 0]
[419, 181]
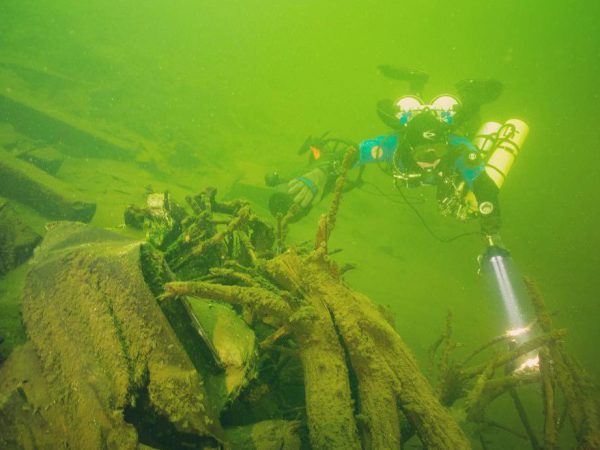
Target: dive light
[507, 284]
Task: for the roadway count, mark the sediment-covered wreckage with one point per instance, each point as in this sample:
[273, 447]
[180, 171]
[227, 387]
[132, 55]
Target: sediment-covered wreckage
[213, 333]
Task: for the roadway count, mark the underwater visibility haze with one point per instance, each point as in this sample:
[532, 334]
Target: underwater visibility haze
[120, 115]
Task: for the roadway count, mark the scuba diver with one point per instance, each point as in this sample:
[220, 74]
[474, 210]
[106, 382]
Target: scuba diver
[438, 143]
[435, 143]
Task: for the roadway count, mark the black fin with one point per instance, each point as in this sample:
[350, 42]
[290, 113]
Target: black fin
[416, 78]
[479, 92]
[387, 110]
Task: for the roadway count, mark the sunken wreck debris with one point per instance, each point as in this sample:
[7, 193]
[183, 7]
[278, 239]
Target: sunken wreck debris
[568, 393]
[31, 186]
[354, 364]
[214, 333]
[36, 119]
[87, 283]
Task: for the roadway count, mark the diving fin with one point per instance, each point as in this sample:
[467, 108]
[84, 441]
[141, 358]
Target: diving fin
[416, 78]
[479, 92]
[387, 110]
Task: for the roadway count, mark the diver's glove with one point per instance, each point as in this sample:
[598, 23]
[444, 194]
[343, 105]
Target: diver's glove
[309, 186]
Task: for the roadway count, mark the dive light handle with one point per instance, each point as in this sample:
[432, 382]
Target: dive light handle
[494, 241]
[494, 248]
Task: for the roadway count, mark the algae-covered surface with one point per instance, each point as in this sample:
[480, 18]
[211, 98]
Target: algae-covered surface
[176, 96]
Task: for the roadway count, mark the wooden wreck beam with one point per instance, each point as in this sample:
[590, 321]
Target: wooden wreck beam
[56, 127]
[33, 187]
[579, 393]
[328, 397]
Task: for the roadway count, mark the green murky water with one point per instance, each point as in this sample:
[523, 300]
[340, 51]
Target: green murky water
[229, 90]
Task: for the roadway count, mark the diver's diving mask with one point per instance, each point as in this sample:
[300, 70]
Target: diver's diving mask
[443, 107]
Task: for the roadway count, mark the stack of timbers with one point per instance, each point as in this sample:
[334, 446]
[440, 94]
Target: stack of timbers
[77, 137]
[36, 134]
[34, 105]
[213, 335]
[26, 179]
[31, 186]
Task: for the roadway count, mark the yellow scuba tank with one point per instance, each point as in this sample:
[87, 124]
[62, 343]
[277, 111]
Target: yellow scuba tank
[484, 140]
[500, 145]
[507, 145]
[486, 136]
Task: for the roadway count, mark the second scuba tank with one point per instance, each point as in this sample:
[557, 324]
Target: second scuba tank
[500, 145]
[486, 136]
[484, 140]
[506, 147]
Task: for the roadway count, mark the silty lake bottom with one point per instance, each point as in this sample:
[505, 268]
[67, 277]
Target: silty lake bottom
[141, 308]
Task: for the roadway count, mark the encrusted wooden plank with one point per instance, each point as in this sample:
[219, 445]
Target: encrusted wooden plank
[54, 126]
[49, 196]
